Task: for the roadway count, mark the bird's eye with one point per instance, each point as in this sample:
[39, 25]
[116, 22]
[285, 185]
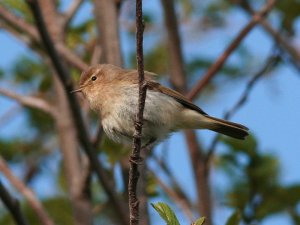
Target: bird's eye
[94, 78]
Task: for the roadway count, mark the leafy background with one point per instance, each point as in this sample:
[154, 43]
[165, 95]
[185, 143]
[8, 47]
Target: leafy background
[257, 177]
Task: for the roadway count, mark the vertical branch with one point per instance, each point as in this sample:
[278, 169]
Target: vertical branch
[135, 157]
[107, 22]
[65, 78]
[174, 44]
[12, 205]
[178, 80]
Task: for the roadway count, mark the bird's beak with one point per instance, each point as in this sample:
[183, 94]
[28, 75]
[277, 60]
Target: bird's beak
[77, 90]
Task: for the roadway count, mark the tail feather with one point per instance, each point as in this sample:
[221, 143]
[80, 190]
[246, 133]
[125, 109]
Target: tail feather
[225, 127]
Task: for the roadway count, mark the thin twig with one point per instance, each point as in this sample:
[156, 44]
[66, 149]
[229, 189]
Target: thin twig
[12, 205]
[69, 14]
[171, 177]
[277, 36]
[135, 157]
[65, 78]
[234, 44]
[7, 116]
[178, 199]
[271, 62]
[27, 193]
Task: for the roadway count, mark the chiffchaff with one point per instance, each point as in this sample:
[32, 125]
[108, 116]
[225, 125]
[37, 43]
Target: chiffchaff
[113, 93]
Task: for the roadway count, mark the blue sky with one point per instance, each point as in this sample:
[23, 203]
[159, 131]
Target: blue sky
[271, 113]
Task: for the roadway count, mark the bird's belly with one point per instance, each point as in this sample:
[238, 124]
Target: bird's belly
[159, 114]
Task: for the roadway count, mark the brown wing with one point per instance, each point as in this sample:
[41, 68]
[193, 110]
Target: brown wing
[155, 86]
[152, 85]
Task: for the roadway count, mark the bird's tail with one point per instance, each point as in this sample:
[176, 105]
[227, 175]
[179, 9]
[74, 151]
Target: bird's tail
[225, 127]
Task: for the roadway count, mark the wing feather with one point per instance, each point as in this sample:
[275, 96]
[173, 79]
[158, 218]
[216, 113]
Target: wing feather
[152, 85]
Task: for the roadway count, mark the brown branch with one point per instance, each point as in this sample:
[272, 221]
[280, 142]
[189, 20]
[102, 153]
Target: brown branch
[182, 202]
[174, 43]
[271, 62]
[98, 137]
[229, 50]
[201, 175]
[279, 38]
[178, 77]
[27, 29]
[12, 205]
[135, 157]
[172, 179]
[30, 101]
[106, 14]
[96, 54]
[65, 78]
[27, 193]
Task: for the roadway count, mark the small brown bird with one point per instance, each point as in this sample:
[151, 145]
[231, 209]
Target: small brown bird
[113, 93]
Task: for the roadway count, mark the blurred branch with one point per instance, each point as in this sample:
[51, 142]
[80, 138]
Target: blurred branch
[27, 193]
[99, 136]
[181, 202]
[270, 64]
[135, 157]
[30, 101]
[65, 78]
[71, 11]
[9, 114]
[12, 205]
[201, 175]
[174, 43]
[279, 38]
[96, 55]
[179, 81]
[173, 180]
[229, 50]
[27, 29]
[106, 14]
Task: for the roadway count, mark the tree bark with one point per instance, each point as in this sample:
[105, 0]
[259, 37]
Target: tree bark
[174, 44]
[106, 13]
[73, 165]
[179, 82]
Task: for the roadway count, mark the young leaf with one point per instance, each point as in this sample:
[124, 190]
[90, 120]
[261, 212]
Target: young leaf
[166, 213]
[234, 219]
[199, 221]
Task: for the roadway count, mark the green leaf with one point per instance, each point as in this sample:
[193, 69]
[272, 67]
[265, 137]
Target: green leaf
[166, 213]
[234, 219]
[199, 221]
[248, 146]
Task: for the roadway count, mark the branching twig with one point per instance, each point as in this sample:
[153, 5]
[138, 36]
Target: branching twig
[277, 36]
[65, 78]
[234, 44]
[135, 155]
[271, 62]
[29, 101]
[27, 29]
[12, 205]
[27, 193]
[69, 14]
